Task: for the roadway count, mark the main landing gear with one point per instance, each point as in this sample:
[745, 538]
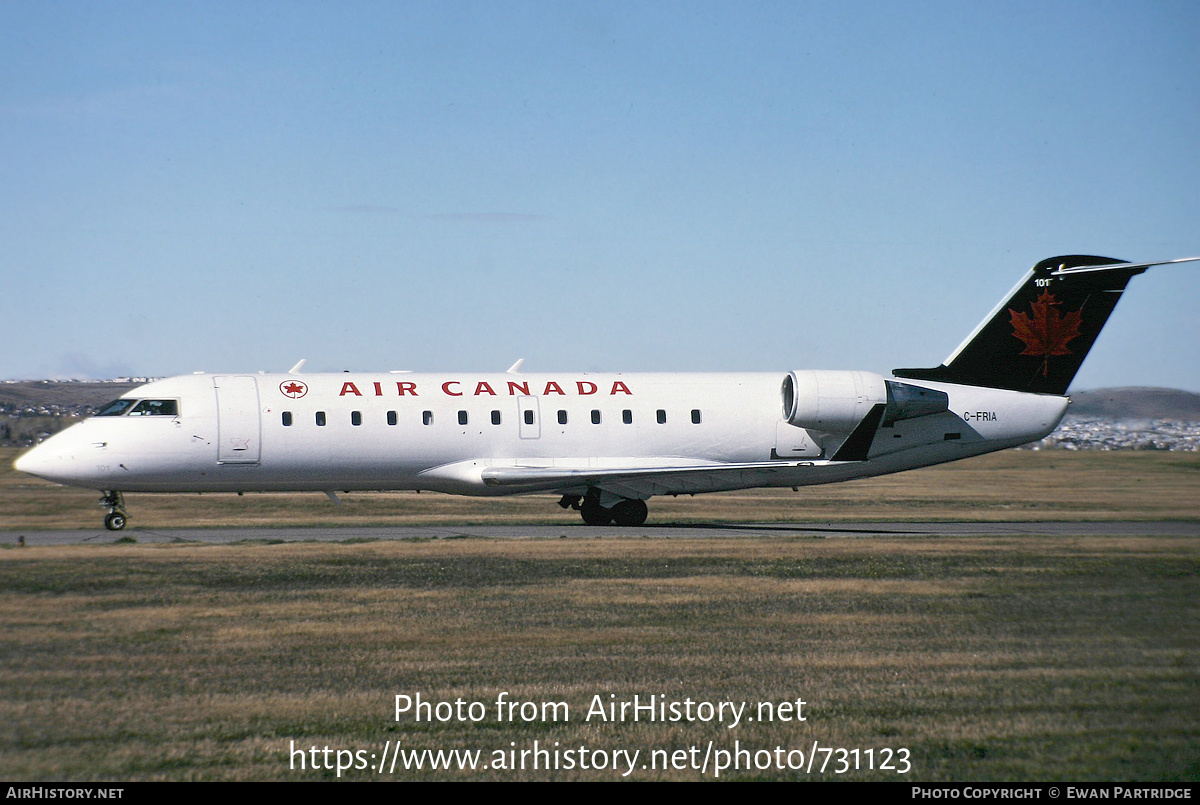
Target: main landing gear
[625, 512]
[115, 519]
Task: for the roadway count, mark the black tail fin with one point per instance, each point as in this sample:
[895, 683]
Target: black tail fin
[1037, 338]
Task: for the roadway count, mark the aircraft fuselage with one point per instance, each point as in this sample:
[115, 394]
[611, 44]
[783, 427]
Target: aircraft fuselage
[440, 432]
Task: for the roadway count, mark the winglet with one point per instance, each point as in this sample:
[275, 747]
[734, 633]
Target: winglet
[295, 370]
[516, 367]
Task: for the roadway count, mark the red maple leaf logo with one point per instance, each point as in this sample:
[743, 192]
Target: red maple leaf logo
[1047, 332]
[293, 388]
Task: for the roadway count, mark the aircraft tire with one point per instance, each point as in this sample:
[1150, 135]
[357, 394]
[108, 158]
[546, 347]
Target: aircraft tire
[595, 514]
[630, 512]
[114, 521]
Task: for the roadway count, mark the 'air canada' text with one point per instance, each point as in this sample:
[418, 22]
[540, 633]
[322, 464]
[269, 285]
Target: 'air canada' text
[482, 388]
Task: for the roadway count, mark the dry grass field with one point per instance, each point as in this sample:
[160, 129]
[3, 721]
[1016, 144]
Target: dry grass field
[985, 657]
[1012, 485]
[1017, 658]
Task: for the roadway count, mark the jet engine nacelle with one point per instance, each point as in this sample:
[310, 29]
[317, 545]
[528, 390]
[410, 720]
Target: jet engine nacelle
[833, 402]
[830, 401]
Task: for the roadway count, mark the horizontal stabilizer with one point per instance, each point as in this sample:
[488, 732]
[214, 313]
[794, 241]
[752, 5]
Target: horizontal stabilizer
[1124, 266]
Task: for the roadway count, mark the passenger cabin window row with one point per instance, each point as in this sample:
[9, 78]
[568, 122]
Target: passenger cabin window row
[126, 407]
[169, 407]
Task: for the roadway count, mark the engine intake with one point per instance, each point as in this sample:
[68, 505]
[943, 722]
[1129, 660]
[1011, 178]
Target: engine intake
[830, 401]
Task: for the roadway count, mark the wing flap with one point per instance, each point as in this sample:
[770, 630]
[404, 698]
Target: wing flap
[642, 481]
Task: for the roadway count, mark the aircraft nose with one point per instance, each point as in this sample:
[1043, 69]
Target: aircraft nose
[49, 462]
[60, 459]
[33, 462]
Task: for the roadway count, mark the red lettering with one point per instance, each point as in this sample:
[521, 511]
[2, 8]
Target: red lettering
[514, 387]
[446, 388]
[405, 387]
[349, 388]
[621, 387]
[553, 388]
[582, 383]
[483, 388]
[378, 389]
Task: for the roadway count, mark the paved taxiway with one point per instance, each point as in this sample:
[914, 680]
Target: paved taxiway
[666, 531]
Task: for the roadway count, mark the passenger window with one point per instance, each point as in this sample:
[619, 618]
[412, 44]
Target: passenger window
[595, 417]
[116, 408]
[695, 416]
[321, 418]
[427, 417]
[356, 417]
[287, 419]
[462, 417]
[495, 417]
[562, 417]
[528, 417]
[627, 416]
[391, 417]
[156, 408]
[662, 417]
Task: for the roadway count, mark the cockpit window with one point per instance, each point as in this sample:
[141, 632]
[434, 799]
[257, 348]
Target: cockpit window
[116, 407]
[156, 408]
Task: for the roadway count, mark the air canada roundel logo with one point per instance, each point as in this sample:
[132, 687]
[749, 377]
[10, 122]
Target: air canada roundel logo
[293, 388]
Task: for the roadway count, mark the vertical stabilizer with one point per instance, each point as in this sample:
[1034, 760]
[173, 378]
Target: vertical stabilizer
[1037, 338]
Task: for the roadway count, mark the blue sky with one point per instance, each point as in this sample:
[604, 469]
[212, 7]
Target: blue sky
[608, 186]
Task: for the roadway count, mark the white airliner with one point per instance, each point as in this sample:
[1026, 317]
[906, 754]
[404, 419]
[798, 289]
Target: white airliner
[605, 442]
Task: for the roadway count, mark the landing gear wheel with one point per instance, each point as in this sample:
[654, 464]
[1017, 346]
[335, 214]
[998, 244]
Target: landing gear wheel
[595, 514]
[630, 512]
[115, 519]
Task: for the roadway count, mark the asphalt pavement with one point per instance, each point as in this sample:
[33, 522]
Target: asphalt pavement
[647, 531]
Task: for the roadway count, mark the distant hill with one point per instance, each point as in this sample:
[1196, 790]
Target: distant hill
[1135, 403]
[31, 410]
[66, 394]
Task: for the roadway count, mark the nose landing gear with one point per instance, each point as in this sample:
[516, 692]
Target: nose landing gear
[116, 517]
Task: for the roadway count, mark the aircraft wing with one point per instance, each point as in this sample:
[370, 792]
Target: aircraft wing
[642, 482]
[648, 481]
